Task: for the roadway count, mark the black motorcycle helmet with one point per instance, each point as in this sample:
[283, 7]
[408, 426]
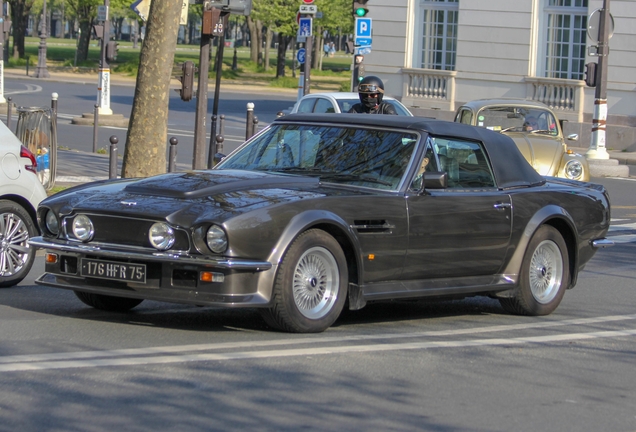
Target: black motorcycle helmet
[368, 88]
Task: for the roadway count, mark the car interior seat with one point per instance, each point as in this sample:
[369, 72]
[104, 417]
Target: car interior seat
[451, 166]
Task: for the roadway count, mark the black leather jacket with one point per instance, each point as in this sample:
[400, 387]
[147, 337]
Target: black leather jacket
[383, 108]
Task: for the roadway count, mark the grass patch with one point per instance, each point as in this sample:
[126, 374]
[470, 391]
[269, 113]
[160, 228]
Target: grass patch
[56, 189]
[61, 53]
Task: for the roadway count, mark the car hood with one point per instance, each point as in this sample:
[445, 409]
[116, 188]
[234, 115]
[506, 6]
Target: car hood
[190, 197]
[543, 152]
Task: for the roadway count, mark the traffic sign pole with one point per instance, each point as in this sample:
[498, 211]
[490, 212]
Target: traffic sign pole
[103, 87]
[597, 148]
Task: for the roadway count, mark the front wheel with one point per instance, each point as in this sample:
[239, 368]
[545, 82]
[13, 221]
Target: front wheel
[544, 275]
[106, 302]
[16, 255]
[310, 288]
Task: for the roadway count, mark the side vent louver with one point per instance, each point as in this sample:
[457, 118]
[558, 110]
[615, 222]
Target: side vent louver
[372, 226]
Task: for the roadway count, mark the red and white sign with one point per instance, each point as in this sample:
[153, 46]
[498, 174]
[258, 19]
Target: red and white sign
[308, 1]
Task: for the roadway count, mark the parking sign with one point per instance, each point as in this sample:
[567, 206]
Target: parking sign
[363, 27]
[305, 27]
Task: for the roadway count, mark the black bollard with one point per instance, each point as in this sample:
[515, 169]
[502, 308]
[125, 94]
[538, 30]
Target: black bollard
[112, 168]
[222, 125]
[219, 144]
[249, 124]
[211, 147]
[172, 162]
[95, 126]
[255, 127]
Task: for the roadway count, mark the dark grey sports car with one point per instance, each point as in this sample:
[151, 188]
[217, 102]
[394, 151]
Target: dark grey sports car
[321, 212]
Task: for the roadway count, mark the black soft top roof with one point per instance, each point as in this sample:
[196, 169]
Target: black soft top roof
[509, 166]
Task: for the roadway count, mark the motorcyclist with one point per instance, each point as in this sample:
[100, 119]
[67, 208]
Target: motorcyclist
[371, 91]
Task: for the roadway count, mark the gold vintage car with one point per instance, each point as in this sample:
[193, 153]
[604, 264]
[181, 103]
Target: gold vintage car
[534, 128]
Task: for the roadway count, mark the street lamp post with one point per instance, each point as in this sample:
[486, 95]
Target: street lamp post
[41, 71]
[597, 148]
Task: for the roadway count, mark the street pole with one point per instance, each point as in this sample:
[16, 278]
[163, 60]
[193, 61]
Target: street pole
[308, 52]
[198, 158]
[103, 88]
[597, 148]
[2, 99]
[41, 71]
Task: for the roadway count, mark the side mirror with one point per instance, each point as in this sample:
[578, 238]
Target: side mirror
[573, 137]
[435, 180]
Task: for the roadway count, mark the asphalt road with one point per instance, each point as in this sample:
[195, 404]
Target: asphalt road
[460, 365]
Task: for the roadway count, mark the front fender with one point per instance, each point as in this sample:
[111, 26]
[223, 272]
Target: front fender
[576, 157]
[297, 225]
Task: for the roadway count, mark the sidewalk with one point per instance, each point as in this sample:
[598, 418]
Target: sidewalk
[75, 167]
[119, 79]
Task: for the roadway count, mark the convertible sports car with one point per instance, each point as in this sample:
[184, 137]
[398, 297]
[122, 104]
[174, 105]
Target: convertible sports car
[322, 211]
[535, 129]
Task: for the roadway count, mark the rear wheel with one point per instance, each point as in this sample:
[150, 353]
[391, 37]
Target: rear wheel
[310, 288]
[107, 303]
[544, 275]
[16, 255]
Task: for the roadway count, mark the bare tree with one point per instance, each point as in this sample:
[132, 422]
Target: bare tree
[145, 152]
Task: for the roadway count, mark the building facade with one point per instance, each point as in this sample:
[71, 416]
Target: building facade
[435, 55]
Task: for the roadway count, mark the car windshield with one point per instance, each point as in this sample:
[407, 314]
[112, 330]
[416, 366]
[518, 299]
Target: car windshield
[343, 154]
[518, 119]
[346, 104]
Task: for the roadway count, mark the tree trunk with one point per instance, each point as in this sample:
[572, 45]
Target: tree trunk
[268, 44]
[256, 38]
[316, 59]
[85, 39]
[282, 49]
[145, 152]
[20, 10]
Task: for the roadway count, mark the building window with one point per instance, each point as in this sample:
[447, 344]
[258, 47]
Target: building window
[439, 34]
[566, 24]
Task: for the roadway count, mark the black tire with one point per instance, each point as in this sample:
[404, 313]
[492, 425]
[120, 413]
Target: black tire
[545, 275]
[16, 255]
[107, 303]
[310, 288]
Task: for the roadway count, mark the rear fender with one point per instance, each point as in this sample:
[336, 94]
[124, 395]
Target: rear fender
[560, 219]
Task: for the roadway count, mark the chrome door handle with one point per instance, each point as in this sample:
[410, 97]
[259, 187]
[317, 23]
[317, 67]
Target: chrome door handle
[501, 206]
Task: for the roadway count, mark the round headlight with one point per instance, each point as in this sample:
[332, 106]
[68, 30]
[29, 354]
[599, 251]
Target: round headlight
[83, 228]
[573, 169]
[52, 224]
[161, 236]
[216, 239]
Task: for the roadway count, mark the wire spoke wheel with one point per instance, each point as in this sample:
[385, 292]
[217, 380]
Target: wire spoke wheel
[316, 283]
[310, 288]
[544, 275]
[546, 272]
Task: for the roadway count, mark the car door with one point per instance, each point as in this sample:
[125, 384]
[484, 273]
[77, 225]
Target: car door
[464, 229]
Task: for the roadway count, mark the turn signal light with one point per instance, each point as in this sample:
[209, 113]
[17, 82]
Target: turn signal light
[51, 258]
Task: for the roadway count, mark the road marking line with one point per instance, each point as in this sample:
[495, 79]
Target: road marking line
[40, 358]
[252, 355]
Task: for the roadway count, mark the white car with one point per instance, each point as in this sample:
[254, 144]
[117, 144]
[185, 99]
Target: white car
[339, 102]
[20, 194]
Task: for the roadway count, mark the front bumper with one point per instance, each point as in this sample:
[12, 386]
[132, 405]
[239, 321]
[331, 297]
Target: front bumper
[171, 277]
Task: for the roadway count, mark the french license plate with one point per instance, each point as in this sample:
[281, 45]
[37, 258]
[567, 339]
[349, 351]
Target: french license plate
[112, 270]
